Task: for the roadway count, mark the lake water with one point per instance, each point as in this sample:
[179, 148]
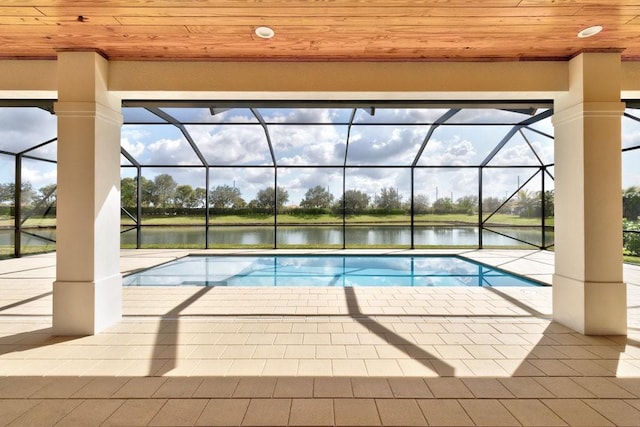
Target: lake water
[193, 236]
[333, 236]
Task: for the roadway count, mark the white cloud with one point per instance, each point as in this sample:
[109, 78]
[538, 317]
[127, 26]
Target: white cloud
[131, 140]
[372, 180]
[299, 115]
[39, 177]
[323, 144]
[401, 115]
[172, 151]
[228, 145]
[298, 181]
[234, 115]
[631, 138]
[294, 160]
[515, 154]
[544, 149]
[22, 128]
[385, 145]
[630, 170]
[132, 147]
[439, 183]
[504, 182]
[454, 152]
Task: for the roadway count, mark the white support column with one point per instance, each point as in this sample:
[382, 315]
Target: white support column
[87, 293]
[588, 292]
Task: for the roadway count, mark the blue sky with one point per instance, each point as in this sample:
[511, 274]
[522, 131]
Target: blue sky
[244, 144]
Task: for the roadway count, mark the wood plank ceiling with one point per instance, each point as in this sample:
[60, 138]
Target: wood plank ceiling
[310, 30]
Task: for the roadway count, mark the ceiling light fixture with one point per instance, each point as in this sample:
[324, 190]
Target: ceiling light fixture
[265, 32]
[591, 31]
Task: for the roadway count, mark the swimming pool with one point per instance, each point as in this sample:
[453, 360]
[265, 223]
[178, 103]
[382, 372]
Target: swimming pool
[324, 270]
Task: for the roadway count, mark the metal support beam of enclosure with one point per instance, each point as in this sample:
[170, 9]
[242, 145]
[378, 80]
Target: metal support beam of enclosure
[156, 109]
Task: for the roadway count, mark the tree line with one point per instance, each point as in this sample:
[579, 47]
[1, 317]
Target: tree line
[631, 223]
[29, 196]
[163, 192]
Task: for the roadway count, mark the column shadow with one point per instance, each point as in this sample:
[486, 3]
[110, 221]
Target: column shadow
[169, 326]
[417, 353]
[25, 301]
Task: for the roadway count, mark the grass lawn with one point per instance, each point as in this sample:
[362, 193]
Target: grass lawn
[328, 219]
[6, 221]
[629, 259]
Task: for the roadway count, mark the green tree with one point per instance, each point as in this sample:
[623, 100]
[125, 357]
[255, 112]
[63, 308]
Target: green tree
[148, 192]
[185, 197]
[527, 205]
[549, 209]
[225, 197]
[467, 205]
[164, 190]
[631, 203]
[388, 198]
[420, 204]
[490, 204]
[353, 201]
[46, 195]
[200, 194]
[266, 198]
[443, 205]
[7, 193]
[631, 237]
[28, 193]
[128, 192]
[317, 197]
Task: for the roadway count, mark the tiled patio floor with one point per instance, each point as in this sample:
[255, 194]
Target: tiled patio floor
[315, 356]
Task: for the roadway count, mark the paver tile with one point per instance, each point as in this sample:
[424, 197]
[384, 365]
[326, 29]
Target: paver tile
[525, 388]
[213, 387]
[488, 412]
[135, 412]
[356, 412]
[448, 388]
[223, 412]
[371, 387]
[267, 412]
[575, 412]
[409, 388]
[617, 411]
[332, 387]
[255, 387]
[400, 412]
[179, 412]
[311, 412]
[487, 388]
[564, 388]
[91, 412]
[47, 412]
[444, 412]
[294, 387]
[531, 412]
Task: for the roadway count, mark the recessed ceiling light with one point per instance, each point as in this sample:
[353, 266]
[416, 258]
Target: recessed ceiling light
[591, 31]
[265, 32]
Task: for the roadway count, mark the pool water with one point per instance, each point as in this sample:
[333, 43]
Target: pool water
[324, 270]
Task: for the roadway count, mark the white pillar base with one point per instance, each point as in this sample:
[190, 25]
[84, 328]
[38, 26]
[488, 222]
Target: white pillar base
[591, 308]
[86, 308]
